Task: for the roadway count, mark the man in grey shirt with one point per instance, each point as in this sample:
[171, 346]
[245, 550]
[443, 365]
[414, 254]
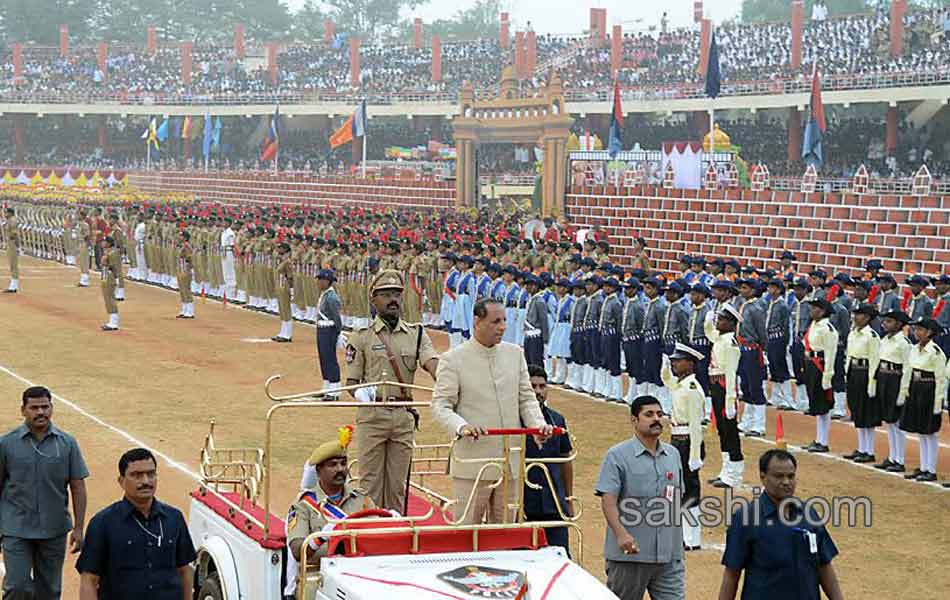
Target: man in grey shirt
[40, 467]
[639, 476]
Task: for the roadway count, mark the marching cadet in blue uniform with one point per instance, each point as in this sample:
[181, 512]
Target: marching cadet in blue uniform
[787, 264]
[924, 396]
[595, 302]
[800, 320]
[512, 294]
[892, 370]
[885, 299]
[631, 330]
[577, 361]
[329, 326]
[698, 272]
[941, 312]
[483, 279]
[536, 329]
[447, 309]
[697, 340]
[821, 346]
[498, 286]
[560, 345]
[611, 317]
[462, 318]
[919, 306]
[522, 311]
[777, 328]
[676, 318]
[550, 298]
[874, 268]
[861, 362]
[722, 292]
[841, 320]
[753, 337]
[653, 319]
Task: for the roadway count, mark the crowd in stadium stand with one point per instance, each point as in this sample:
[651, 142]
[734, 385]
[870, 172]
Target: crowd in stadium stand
[851, 45]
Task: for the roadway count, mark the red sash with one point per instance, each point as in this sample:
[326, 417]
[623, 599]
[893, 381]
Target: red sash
[818, 362]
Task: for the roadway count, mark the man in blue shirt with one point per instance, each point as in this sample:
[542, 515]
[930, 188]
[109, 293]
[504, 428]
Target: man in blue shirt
[138, 547]
[785, 554]
[543, 504]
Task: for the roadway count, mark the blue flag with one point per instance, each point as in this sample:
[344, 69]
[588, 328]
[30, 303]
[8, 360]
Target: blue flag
[615, 139]
[162, 132]
[712, 68]
[815, 128]
[216, 135]
[208, 135]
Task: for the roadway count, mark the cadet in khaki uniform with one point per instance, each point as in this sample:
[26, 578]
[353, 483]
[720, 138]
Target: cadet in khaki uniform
[184, 276]
[11, 235]
[389, 349]
[84, 239]
[331, 496]
[285, 283]
[111, 265]
[118, 236]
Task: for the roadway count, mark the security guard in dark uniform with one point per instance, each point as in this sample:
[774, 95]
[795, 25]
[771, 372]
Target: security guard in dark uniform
[329, 326]
[388, 350]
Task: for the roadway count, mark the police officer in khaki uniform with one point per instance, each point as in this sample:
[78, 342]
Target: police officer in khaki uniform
[11, 234]
[185, 268]
[388, 350]
[111, 266]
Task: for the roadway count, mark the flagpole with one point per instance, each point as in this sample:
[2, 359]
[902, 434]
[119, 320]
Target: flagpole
[365, 132]
[363, 168]
[148, 155]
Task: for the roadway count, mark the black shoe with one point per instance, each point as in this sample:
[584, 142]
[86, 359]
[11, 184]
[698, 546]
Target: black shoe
[884, 465]
[817, 448]
[853, 455]
[754, 434]
[913, 474]
[895, 468]
[179, 316]
[82, 285]
[946, 484]
[690, 548]
[927, 476]
[836, 417]
[281, 340]
[187, 317]
[109, 328]
[713, 480]
[865, 458]
[719, 483]
[9, 291]
[705, 422]
[120, 299]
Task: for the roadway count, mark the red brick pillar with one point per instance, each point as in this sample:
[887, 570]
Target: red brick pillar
[102, 134]
[798, 26]
[417, 32]
[272, 62]
[890, 130]
[705, 34]
[328, 32]
[504, 36]
[531, 53]
[17, 62]
[616, 49]
[436, 58]
[151, 42]
[435, 128]
[186, 62]
[355, 61]
[519, 54]
[102, 53]
[63, 41]
[794, 135]
[898, 9]
[239, 40]
[697, 11]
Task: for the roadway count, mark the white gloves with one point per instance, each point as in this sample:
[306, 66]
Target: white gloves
[938, 407]
[872, 389]
[341, 341]
[319, 541]
[367, 394]
[826, 383]
[901, 399]
[731, 409]
[695, 464]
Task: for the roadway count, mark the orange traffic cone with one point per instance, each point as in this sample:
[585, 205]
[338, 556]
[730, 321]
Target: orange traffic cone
[224, 299]
[204, 298]
[780, 432]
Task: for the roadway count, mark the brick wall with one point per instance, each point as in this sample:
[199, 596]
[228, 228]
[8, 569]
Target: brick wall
[300, 189]
[838, 232]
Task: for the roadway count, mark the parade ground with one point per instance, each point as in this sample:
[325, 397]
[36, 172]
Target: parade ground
[159, 381]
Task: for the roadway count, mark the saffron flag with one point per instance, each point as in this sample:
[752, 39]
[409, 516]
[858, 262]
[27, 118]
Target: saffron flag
[615, 141]
[353, 127]
[272, 139]
[186, 128]
[815, 128]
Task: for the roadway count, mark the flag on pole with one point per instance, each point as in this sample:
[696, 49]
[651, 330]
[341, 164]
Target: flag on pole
[150, 135]
[815, 128]
[712, 68]
[186, 128]
[353, 127]
[216, 135]
[272, 139]
[615, 141]
[208, 135]
[162, 132]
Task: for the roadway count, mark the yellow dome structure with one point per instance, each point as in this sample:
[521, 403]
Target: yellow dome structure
[720, 140]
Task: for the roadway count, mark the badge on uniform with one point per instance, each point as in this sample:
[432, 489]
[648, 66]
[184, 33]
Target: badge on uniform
[350, 353]
[379, 347]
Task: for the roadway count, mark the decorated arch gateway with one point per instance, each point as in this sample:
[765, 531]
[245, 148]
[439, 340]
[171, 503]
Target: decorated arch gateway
[513, 118]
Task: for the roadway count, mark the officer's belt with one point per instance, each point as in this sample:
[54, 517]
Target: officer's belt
[680, 430]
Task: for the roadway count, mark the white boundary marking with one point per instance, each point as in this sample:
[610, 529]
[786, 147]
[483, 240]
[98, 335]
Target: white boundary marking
[120, 432]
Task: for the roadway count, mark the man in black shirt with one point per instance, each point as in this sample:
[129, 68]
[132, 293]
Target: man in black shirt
[137, 548]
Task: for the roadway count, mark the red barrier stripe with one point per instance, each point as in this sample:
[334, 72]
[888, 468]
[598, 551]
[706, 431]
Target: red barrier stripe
[406, 584]
[550, 586]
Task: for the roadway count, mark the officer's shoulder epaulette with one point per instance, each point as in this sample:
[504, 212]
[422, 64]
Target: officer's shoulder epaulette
[874, 334]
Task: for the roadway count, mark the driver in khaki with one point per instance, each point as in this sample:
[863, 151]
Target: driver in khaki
[331, 497]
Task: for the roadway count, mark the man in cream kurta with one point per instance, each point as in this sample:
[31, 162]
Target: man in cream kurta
[483, 384]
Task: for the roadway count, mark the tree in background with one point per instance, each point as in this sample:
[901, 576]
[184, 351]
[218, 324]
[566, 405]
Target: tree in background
[758, 11]
[371, 19]
[482, 20]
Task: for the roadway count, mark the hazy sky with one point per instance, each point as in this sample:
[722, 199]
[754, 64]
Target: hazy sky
[571, 16]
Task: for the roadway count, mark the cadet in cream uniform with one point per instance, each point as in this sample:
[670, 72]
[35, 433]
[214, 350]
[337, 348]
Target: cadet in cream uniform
[862, 357]
[11, 235]
[723, 390]
[924, 396]
[893, 375]
[821, 346]
[388, 350]
[688, 401]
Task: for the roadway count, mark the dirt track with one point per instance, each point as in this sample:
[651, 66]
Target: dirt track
[162, 380]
